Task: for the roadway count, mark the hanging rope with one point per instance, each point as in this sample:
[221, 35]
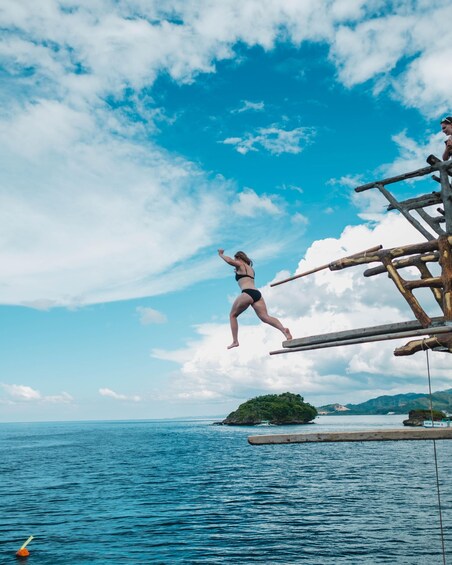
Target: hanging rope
[435, 454]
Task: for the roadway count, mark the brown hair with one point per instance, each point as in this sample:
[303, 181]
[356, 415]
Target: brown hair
[243, 257]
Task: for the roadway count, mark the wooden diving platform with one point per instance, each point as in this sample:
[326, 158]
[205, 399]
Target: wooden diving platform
[365, 335]
[411, 434]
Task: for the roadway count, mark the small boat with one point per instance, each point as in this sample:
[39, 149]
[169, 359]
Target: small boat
[444, 423]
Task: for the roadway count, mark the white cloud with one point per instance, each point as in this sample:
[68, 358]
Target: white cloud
[249, 106]
[419, 35]
[249, 204]
[150, 316]
[273, 139]
[349, 181]
[323, 302]
[24, 393]
[107, 392]
[83, 191]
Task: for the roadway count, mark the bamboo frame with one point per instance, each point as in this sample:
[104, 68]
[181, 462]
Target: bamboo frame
[437, 248]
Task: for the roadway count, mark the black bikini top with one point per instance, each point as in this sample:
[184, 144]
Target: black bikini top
[238, 277]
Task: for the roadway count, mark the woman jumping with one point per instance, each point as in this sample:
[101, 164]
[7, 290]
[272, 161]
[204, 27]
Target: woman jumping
[244, 275]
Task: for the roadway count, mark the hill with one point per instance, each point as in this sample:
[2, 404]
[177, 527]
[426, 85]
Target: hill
[286, 408]
[398, 404]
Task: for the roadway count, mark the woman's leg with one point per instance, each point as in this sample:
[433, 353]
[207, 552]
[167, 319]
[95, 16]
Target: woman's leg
[241, 303]
[261, 310]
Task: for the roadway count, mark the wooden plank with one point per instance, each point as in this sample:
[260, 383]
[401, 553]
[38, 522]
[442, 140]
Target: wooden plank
[409, 434]
[361, 332]
[290, 347]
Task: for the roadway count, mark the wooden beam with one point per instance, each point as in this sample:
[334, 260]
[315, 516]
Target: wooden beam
[396, 204]
[289, 347]
[431, 221]
[445, 249]
[412, 174]
[406, 292]
[436, 282]
[439, 166]
[361, 332]
[420, 201]
[413, 261]
[411, 434]
[322, 267]
[394, 252]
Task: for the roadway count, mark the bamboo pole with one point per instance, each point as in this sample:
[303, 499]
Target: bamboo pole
[322, 267]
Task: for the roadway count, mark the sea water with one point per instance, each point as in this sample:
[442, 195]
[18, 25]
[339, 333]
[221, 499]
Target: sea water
[188, 492]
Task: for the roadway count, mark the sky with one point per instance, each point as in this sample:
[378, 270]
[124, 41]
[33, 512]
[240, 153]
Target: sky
[138, 137]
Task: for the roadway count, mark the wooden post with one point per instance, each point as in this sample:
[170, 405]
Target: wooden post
[446, 194]
[445, 260]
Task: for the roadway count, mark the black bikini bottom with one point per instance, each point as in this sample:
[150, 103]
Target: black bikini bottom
[254, 293]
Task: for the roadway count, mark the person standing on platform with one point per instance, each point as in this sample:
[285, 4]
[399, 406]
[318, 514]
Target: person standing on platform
[446, 128]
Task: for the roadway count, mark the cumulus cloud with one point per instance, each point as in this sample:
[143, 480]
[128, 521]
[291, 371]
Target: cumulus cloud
[150, 316]
[418, 35]
[323, 302]
[107, 392]
[24, 393]
[84, 191]
[249, 204]
[273, 139]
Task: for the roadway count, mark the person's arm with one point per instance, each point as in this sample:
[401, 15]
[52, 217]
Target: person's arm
[229, 260]
[448, 150]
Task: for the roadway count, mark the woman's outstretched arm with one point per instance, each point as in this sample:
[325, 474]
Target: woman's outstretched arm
[229, 260]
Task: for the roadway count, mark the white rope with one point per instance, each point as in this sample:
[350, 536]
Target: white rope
[435, 454]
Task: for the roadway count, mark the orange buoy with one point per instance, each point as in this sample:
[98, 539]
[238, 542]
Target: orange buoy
[23, 552]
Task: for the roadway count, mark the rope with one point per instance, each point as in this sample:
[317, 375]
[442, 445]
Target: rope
[435, 455]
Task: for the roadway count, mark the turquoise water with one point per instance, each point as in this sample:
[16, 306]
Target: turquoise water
[188, 492]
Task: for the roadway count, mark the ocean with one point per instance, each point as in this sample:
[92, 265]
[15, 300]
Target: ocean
[171, 491]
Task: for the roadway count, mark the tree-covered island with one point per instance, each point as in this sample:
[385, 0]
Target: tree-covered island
[278, 409]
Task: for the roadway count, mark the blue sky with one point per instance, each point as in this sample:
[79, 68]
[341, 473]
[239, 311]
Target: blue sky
[139, 137]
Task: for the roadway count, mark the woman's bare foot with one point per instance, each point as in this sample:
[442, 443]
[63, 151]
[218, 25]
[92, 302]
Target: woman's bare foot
[233, 344]
[287, 333]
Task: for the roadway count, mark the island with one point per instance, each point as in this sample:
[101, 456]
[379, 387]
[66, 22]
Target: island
[277, 409]
[395, 404]
[416, 417]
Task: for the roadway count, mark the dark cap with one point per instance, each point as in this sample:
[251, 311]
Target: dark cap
[447, 120]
